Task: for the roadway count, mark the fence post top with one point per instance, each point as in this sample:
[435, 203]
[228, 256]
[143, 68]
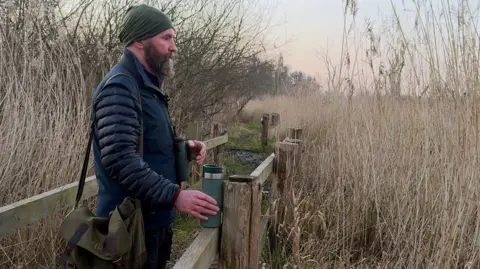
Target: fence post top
[241, 178]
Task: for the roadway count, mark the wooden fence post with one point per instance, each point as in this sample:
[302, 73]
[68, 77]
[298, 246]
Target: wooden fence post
[298, 133]
[295, 133]
[291, 133]
[265, 120]
[215, 132]
[240, 239]
[287, 160]
[218, 130]
[194, 132]
[275, 119]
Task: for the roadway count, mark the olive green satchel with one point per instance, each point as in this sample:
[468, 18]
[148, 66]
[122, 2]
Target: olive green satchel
[117, 242]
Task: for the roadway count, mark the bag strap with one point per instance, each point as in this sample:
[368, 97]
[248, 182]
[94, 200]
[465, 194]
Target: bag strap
[83, 174]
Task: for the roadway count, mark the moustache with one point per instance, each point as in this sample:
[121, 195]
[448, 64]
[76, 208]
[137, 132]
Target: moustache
[170, 56]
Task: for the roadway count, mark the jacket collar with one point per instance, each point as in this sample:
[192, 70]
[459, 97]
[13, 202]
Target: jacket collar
[131, 62]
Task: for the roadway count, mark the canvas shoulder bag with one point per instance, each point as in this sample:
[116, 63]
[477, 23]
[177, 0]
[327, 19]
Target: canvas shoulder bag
[116, 242]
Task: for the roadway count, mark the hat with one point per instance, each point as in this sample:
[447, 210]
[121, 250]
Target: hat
[142, 22]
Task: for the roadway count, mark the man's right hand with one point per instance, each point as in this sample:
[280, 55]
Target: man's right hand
[195, 203]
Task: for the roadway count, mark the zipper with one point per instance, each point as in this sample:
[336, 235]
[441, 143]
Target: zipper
[166, 115]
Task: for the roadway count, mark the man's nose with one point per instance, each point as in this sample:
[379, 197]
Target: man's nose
[173, 48]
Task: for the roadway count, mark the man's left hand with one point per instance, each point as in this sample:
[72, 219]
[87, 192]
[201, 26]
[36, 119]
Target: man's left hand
[198, 151]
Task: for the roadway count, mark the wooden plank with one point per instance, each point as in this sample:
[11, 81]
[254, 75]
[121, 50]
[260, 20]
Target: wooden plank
[214, 264]
[215, 142]
[263, 171]
[275, 119]
[264, 136]
[294, 141]
[194, 130]
[30, 210]
[218, 152]
[286, 153]
[202, 251]
[298, 133]
[235, 236]
[241, 178]
[291, 133]
[263, 231]
[286, 146]
[255, 218]
[215, 133]
[221, 149]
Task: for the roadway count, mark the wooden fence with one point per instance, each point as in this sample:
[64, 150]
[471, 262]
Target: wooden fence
[239, 241]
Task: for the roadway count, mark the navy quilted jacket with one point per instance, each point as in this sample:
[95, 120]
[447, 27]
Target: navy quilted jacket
[120, 170]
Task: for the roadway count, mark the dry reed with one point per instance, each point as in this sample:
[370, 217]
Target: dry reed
[43, 126]
[390, 181]
[388, 186]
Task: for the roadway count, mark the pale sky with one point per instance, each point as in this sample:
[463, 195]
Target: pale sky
[440, 34]
[313, 26]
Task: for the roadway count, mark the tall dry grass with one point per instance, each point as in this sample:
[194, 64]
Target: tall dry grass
[43, 130]
[390, 181]
[384, 184]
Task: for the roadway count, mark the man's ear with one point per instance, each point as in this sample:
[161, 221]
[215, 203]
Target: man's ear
[139, 44]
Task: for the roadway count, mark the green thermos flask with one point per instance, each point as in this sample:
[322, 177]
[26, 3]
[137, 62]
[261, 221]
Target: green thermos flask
[212, 185]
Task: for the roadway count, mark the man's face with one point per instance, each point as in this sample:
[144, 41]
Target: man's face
[160, 51]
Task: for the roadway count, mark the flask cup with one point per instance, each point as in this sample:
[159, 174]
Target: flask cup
[212, 185]
[181, 160]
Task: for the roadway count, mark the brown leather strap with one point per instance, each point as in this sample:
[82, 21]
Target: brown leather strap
[110, 245]
[73, 242]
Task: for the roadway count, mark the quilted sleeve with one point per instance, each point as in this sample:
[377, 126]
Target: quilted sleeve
[117, 121]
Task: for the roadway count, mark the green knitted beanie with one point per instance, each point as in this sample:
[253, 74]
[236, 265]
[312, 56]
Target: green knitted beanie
[142, 22]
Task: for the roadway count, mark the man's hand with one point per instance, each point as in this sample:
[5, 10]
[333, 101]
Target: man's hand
[198, 151]
[195, 203]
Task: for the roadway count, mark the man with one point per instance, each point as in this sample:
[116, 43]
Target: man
[148, 37]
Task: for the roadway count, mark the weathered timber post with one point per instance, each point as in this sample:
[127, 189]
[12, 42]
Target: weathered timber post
[240, 239]
[295, 133]
[194, 133]
[215, 131]
[297, 139]
[275, 119]
[265, 119]
[298, 133]
[287, 160]
[291, 133]
[218, 130]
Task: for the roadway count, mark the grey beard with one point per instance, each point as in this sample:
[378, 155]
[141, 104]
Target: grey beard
[160, 67]
[167, 68]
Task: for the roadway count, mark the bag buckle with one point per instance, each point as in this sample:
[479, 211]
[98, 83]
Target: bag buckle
[119, 263]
